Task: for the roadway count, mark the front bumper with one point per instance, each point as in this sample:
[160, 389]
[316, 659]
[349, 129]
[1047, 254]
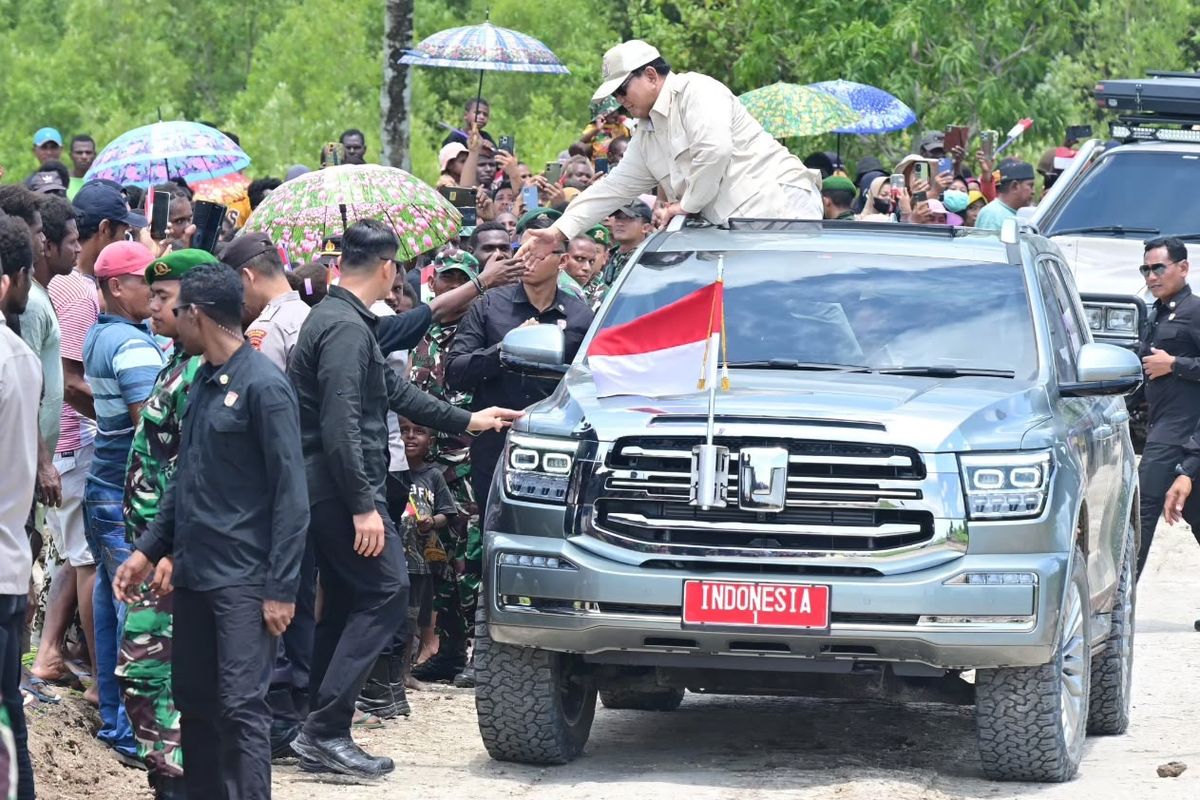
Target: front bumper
[613, 611]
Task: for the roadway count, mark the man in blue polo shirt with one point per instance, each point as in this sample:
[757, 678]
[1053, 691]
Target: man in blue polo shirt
[121, 361]
[1014, 190]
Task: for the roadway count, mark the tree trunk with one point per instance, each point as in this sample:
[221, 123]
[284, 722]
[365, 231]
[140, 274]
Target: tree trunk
[396, 99]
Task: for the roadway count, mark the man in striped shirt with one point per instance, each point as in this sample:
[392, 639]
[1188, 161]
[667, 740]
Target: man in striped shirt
[121, 361]
[101, 218]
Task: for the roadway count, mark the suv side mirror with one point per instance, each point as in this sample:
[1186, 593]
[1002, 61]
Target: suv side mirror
[1025, 215]
[536, 351]
[1104, 369]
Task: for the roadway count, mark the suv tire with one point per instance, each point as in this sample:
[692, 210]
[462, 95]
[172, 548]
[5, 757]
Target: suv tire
[1032, 721]
[1112, 667]
[534, 706]
[665, 699]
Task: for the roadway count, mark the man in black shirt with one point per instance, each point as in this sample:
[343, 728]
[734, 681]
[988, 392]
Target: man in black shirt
[473, 364]
[345, 390]
[234, 521]
[1171, 359]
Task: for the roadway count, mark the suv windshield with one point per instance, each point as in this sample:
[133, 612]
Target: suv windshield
[1103, 200]
[850, 310]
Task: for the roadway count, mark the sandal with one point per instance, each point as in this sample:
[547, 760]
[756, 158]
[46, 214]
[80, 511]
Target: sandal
[34, 690]
[366, 720]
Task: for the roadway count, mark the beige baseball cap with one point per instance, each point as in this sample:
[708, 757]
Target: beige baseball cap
[620, 61]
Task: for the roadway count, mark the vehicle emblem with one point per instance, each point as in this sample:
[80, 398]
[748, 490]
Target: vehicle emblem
[762, 479]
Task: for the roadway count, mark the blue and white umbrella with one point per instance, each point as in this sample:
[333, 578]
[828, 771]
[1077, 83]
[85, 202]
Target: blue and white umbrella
[484, 47]
[879, 111]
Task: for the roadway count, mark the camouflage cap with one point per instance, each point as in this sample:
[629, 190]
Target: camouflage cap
[462, 261]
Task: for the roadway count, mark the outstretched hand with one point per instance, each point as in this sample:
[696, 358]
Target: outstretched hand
[493, 419]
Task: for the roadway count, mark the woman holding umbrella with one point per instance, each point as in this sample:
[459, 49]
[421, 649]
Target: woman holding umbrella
[696, 142]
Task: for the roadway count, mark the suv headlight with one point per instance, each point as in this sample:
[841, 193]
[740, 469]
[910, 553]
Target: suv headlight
[538, 468]
[1112, 319]
[1006, 485]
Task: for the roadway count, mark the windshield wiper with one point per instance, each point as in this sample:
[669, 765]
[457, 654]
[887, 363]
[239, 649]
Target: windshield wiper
[1188, 237]
[1118, 230]
[790, 363]
[948, 372]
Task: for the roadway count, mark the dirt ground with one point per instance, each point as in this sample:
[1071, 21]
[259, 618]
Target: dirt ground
[746, 747]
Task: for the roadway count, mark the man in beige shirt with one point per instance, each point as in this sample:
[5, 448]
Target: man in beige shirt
[696, 142]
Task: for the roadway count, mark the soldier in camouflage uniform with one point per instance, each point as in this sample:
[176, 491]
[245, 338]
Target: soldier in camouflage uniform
[457, 591]
[144, 662]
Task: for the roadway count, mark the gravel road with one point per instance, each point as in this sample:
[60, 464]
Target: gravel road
[755, 747]
[744, 747]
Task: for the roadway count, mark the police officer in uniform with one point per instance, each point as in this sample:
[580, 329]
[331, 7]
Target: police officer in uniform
[1170, 354]
[274, 311]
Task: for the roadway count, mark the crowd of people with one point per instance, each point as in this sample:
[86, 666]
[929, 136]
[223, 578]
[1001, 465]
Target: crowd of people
[157, 401]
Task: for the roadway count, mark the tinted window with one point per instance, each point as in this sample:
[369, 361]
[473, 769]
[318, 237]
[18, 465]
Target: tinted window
[1134, 190]
[870, 310]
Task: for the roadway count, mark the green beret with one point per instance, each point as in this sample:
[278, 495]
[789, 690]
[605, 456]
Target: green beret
[175, 264]
[836, 183]
[599, 234]
[536, 215]
[462, 261]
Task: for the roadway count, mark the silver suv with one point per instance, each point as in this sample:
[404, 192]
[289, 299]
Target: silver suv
[931, 493]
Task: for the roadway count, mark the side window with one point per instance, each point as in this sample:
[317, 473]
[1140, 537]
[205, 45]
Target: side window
[1057, 317]
[1062, 276]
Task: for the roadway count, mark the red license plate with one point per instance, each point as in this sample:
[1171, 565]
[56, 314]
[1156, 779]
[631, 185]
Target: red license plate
[755, 605]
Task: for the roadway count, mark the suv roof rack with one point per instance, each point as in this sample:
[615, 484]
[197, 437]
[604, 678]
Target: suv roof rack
[754, 224]
[1163, 107]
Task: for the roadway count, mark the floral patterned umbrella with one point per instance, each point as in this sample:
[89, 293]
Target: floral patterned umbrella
[878, 111]
[154, 154]
[301, 213]
[786, 109]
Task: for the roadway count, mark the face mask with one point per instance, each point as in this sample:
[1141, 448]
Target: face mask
[954, 200]
[881, 206]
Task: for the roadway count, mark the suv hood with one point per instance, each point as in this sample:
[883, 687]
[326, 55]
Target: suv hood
[1104, 265]
[930, 414]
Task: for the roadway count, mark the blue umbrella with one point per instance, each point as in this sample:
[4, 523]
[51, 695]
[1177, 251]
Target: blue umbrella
[879, 111]
[484, 47]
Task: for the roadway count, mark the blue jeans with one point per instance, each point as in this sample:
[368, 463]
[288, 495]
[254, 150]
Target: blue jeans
[104, 523]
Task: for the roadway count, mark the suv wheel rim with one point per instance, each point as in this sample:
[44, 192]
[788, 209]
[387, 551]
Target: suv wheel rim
[1072, 698]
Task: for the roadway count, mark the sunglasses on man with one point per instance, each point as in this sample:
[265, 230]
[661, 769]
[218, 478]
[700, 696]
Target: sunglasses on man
[1157, 269]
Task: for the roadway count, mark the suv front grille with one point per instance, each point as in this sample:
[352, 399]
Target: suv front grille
[842, 497]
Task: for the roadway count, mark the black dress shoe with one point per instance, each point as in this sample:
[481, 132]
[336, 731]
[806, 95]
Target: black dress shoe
[169, 789]
[341, 755]
[282, 735]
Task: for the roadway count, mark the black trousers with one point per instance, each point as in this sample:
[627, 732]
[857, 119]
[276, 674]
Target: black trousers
[486, 450]
[12, 627]
[365, 604]
[1156, 473]
[221, 666]
[288, 696]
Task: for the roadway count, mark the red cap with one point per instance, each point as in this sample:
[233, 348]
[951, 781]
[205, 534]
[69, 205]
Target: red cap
[123, 258]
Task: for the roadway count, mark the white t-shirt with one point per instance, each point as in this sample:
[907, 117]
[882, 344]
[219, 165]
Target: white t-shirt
[398, 361]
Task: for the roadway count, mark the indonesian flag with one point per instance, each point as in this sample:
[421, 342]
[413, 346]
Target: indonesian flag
[670, 351]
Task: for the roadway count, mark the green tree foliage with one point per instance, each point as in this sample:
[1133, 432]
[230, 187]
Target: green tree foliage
[288, 76]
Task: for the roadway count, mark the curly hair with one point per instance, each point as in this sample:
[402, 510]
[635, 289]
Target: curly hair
[16, 249]
[17, 201]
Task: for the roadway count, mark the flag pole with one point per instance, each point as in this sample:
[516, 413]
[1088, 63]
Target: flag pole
[710, 462]
[712, 379]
